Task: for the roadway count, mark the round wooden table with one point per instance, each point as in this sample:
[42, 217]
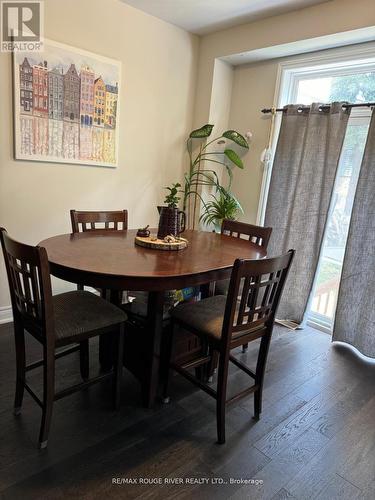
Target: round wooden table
[111, 260]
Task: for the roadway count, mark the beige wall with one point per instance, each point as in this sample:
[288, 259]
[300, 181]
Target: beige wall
[164, 78]
[220, 106]
[253, 85]
[158, 83]
[335, 16]
[253, 89]
[221, 91]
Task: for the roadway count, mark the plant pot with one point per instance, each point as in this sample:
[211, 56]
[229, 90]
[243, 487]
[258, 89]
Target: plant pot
[217, 226]
[171, 222]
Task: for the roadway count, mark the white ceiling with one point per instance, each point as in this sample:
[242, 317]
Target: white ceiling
[205, 16]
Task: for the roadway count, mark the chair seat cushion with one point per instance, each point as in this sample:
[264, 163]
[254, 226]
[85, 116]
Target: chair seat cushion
[79, 312]
[205, 316]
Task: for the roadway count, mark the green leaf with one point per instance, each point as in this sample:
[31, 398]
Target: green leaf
[229, 153]
[204, 131]
[223, 206]
[236, 137]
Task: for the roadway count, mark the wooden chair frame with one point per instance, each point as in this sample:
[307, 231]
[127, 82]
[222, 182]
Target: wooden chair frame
[243, 321]
[88, 220]
[31, 296]
[83, 221]
[255, 234]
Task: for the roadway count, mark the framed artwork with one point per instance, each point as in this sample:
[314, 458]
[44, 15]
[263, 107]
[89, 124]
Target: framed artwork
[66, 106]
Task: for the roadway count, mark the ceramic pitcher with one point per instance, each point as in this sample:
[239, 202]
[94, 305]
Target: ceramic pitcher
[171, 221]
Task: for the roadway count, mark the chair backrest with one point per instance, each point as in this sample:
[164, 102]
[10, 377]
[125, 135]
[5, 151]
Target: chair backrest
[256, 234]
[253, 308]
[30, 284]
[90, 221]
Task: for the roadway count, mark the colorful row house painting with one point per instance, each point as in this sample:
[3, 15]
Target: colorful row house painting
[66, 106]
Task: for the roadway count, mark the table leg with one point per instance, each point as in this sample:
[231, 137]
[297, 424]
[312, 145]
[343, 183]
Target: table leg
[207, 372]
[208, 290]
[106, 341]
[155, 326]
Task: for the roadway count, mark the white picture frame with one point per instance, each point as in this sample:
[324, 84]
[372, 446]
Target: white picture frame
[66, 105]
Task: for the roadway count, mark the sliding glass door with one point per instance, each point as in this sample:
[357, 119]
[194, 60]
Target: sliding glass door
[353, 82]
[327, 280]
[356, 87]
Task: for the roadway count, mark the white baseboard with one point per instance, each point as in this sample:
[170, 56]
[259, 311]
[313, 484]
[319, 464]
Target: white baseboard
[6, 315]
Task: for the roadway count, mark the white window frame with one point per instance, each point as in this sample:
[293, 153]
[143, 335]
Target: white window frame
[347, 60]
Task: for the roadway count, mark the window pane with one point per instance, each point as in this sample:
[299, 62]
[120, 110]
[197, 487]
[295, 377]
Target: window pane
[329, 270]
[352, 88]
[355, 88]
[314, 90]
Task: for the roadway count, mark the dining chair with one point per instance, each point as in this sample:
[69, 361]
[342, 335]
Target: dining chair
[104, 220]
[107, 220]
[255, 234]
[92, 220]
[60, 323]
[224, 323]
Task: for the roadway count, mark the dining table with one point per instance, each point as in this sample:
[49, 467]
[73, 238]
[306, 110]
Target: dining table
[110, 260]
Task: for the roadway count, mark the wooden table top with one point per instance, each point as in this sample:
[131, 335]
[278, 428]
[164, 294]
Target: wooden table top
[111, 258]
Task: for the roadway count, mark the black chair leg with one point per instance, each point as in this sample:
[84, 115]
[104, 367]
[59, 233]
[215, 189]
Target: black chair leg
[210, 368]
[245, 347]
[84, 359]
[20, 362]
[199, 373]
[168, 358]
[257, 403]
[48, 395]
[221, 397]
[202, 372]
[259, 374]
[106, 352]
[117, 370]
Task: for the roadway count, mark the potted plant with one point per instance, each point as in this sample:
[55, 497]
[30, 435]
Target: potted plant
[200, 172]
[223, 205]
[171, 220]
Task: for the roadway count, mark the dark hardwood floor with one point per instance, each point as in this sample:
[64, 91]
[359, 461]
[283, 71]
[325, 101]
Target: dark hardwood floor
[315, 439]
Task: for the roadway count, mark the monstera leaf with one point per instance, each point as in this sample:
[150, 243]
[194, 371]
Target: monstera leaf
[229, 153]
[236, 137]
[202, 132]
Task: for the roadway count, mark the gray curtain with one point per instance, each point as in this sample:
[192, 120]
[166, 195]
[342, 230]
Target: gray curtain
[355, 314]
[303, 175]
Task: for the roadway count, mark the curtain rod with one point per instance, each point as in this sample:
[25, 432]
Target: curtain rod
[324, 106]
